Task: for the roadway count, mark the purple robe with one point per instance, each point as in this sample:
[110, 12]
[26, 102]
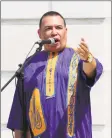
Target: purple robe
[50, 118]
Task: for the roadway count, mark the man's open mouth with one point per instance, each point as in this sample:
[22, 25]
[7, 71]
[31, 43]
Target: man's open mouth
[56, 40]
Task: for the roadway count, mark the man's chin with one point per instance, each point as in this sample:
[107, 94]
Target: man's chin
[54, 48]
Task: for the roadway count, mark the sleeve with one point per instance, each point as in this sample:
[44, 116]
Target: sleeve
[15, 120]
[91, 81]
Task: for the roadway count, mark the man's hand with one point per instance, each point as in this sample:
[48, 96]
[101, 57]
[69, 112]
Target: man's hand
[83, 50]
[88, 67]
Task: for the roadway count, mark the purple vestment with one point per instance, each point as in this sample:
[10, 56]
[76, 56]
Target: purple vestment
[51, 90]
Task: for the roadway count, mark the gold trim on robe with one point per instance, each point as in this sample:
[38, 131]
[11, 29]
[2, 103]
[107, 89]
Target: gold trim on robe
[50, 74]
[72, 95]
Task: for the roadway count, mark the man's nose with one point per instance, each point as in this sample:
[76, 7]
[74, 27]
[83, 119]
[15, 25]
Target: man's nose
[54, 31]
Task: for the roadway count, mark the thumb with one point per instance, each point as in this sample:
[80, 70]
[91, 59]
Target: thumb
[82, 39]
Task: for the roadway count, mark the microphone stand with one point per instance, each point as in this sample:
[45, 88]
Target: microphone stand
[20, 75]
[21, 67]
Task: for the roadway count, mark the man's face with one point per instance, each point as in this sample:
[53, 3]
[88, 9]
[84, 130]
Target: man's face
[53, 27]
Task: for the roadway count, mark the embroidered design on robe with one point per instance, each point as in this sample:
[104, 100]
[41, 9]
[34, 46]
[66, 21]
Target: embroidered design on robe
[37, 121]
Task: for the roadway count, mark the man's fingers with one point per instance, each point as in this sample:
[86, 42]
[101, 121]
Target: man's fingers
[81, 50]
[84, 48]
[83, 43]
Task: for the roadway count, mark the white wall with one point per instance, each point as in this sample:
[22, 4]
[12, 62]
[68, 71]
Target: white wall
[91, 20]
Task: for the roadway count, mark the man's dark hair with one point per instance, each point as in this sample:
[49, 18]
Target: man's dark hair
[51, 13]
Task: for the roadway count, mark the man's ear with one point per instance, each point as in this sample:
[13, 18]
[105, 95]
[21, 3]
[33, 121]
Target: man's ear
[66, 29]
[38, 31]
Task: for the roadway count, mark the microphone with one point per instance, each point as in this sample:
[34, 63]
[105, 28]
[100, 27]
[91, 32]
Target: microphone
[48, 41]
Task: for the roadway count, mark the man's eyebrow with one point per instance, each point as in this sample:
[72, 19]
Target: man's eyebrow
[52, 26]
[47, 26]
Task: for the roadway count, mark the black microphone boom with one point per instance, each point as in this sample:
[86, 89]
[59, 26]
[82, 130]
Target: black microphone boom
[48, 41]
